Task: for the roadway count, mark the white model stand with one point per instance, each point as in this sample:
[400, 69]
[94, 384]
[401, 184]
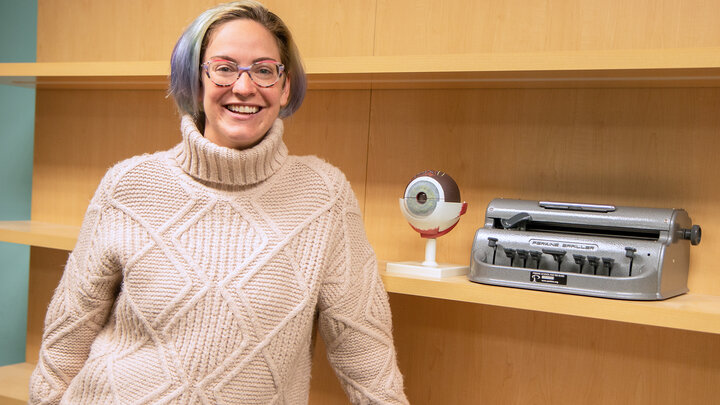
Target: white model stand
[428, 268]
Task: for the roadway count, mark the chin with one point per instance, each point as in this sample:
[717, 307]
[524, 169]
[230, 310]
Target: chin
[234, 137]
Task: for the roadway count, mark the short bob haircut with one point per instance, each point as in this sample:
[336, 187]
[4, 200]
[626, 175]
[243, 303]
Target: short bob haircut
[185, 80]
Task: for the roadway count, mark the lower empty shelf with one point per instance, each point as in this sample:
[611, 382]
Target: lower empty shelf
[40, 234]
[14, 380]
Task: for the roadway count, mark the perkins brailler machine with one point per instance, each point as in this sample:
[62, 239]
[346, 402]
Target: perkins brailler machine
[597, 250]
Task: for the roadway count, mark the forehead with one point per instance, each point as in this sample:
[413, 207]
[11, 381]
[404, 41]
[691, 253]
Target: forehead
[243, 40]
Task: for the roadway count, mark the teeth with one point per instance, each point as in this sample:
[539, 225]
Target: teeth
[243, 109]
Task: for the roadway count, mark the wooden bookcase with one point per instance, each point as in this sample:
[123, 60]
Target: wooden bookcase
[606, 102]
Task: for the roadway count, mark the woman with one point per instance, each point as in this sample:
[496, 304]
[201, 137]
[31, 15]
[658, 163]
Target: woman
[201, 272]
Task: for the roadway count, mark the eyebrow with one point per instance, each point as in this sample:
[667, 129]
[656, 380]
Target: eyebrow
[228, 58]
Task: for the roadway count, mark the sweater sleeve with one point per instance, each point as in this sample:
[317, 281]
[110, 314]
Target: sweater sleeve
[354, 313]
[80, 305]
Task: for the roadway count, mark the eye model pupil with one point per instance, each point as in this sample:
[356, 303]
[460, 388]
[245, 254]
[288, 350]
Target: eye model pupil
[421, 198]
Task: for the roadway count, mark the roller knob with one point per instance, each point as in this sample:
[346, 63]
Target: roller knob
[693, 234]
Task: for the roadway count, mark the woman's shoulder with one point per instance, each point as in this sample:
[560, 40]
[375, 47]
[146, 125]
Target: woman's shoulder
[321, 179]
[312, 161]
[141, 168]
[311, 165]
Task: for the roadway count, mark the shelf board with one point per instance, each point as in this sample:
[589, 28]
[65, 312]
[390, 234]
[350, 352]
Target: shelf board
[14, 383]
[694, 312]
[690, 67]
[39, 234]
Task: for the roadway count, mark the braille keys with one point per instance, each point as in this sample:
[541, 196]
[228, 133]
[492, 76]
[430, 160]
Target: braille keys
[557, 254]
[532, 259]
[630, 252]
[492, 242]
[580, 260]
[594, 262]
[536, 255]
[510, 253]
[607, 264]
[523, 254]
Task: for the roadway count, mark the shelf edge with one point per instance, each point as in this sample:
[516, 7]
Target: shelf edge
[39, 234]
[14, 383]
[692, 312]
[691, 67]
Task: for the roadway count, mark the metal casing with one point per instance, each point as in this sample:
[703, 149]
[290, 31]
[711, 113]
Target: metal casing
[658, 269]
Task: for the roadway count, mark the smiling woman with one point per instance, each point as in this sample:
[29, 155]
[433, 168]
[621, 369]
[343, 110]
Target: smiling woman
[191, 49]
[239, 114]
[198, 275]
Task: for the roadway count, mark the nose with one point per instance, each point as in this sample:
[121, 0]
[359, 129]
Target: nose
[244, 85]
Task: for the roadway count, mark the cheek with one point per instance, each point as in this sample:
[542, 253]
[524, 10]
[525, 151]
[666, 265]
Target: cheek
[209, 97]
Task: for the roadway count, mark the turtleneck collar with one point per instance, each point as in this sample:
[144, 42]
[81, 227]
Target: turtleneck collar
[207, 161]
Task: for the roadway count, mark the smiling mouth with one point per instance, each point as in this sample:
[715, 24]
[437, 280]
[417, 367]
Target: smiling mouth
[243, 109]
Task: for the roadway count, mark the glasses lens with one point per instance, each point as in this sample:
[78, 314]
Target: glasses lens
[223, 72]
[264, 73]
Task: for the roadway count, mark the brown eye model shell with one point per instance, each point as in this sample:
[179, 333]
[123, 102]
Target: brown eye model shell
[450, 188]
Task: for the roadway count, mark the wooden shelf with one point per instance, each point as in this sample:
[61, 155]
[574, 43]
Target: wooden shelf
[694, 312]
[86, 75]
[14, 381]
[39, 234]
[696, 67]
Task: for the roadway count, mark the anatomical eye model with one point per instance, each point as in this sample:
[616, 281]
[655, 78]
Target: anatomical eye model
[431, 204]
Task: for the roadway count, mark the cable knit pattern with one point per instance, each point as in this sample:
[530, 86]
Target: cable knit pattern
[199, 274]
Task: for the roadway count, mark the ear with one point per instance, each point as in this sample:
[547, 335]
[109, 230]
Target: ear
[285, 95]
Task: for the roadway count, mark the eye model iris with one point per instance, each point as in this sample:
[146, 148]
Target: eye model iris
[421, 198]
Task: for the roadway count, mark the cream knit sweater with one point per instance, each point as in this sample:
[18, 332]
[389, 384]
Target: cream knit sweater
[199, 276]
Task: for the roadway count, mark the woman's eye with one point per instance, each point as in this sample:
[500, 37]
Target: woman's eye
[263, 69]
[224, 68]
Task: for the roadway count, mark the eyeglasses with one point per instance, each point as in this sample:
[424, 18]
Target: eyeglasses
[225, 73]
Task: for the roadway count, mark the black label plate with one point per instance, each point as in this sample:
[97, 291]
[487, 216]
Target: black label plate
[548, 278]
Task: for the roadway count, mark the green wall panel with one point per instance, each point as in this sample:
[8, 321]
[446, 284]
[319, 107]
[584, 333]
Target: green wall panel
[18, 36]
